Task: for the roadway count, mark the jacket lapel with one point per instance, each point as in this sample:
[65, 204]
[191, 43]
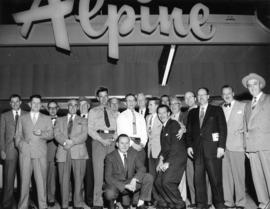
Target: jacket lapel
[11, 117]
[258, 107]
[120, 162]
[208, 110]
[233, 112]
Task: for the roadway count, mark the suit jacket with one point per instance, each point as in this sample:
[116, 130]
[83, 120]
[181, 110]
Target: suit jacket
[172, 149]
[258, 125]
[78, 136]
[114, 169]
[235, 127]
[201, 137]
[30, 144]
[51, 149]
[7, 134]
[154, 136]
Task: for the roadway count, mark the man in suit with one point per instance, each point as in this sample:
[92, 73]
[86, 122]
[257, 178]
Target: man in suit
[142, 105]
[89, 175]
[9, 153]
[52, 107]
[233, 165]
[206, 140]
[257, 120]
[71, 133]
[165, 100]
[114, 104]
[172, 162]
[101, 128]
[125, 175]
[33, 131]
[190, 100]
[154, 126]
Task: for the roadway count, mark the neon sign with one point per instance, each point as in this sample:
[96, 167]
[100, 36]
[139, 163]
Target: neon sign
[120, 22]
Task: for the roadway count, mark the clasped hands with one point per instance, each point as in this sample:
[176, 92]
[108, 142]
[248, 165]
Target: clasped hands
[132, 185]
[68, 144]
[162, 166]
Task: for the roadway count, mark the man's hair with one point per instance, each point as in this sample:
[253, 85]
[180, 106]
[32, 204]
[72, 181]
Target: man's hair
[132, 95]
[164, 106]
[165, 95]
[155, 99]
[204, 88]
[52, 101]
[226, 87]
[35, 96]
[192, 92]
[175, 98]
[15, 96]
[110, 100]
[121, 135]
[101, 89]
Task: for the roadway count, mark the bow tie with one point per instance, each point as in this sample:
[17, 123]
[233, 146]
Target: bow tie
[53, 118]
[227, 105]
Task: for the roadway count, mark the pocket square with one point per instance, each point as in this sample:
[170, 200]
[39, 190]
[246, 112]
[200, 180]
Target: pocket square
[166, 134]
[239, 112]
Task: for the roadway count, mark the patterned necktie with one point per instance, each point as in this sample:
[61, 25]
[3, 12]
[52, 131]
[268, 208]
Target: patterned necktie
[150, 123]
[106, 118]
[70, 124]
[34, 119]
[253, 104]
[16, 120]
[201, 116]
[125, 166]
[134, 127]
[227, 105]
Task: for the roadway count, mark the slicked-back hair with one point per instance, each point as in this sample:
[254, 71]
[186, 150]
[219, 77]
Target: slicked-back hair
[15, 96]
[155, 99]
[227, 87]
[52, 101]
[35, 96]
[130, 94]
[101, 89]
[204, 88]
[122, 135]
[164, 106]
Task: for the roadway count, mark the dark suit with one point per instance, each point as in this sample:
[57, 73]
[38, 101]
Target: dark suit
[116, 178]
[11, 162]
[205, 152]
[174, 152]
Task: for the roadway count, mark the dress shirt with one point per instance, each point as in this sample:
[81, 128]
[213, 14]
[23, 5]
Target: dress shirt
[69, 115]
[124, 125]
[53, 119]
[175, 116]
[122, 156]
[142, 111]
[257, 98]
[14, 113]
[227, 110]
[34, 114]
[204, 108]
[151, 120]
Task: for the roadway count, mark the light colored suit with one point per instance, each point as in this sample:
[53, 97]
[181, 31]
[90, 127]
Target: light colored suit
[7, 144]
[33, 156]
[74, 159]
[234, 159]
[258, 146]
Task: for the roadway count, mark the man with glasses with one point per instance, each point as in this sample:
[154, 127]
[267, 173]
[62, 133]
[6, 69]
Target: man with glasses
[71, 133]
[206, 140]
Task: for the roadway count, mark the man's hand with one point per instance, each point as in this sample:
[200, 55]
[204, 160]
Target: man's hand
[220, 152]
[160, 163]
[3, 155]
[132, 185]
[68, 144]
[190, 152]
[137, 147]
[37, 132]
[180, 134]
[165, 166]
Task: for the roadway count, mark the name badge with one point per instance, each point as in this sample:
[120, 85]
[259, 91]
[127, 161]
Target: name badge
[215, 137]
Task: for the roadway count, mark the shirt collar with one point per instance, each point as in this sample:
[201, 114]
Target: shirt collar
[69, 115]
[258, 96]
[14, 112]
[204, 106]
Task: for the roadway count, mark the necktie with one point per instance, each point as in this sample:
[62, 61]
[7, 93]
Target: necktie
[201, 116]
[150, 122]
[16, 120]
[227, 105]
[53, 120]
[253, 104]
[70, 124]
[141, 112]
[106, 118]
[134, 123]
[34, 118]
[125, 166]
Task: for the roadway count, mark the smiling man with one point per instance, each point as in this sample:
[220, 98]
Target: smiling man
[257, 118]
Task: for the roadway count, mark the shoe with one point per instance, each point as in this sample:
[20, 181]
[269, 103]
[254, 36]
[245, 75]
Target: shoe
[193, 205]
[148, 203]
[142, 207]
[78, 208]
[64, 208]
[226, 206]
[125, 207]
[51, 204]
[239, 207]
[97, 207]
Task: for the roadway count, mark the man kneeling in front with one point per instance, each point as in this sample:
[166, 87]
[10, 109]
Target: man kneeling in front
[126, 175]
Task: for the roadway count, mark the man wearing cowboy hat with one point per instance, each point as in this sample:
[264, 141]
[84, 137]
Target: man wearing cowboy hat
[257, 118]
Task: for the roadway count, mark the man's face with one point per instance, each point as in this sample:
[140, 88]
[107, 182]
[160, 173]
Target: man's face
[141, 101]
[152, 106]
[35, 104]
[123, 144]
[163, 115]
[84, 106]
[103, 97]
[254, 87]
[165, 101]
[190, 99]
[114, 103]
[52, 108]
[203, 97]
[15, 103]
[131, 102]
[72, 107]
[175, 106]
[227, 95]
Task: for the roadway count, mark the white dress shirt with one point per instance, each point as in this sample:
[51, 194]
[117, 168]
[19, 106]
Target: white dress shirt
[124, 125]
[142, 111]
[227, 110]
[69, 115]
[34, 115]
[122, 157]
[175, 116]
[14, 113]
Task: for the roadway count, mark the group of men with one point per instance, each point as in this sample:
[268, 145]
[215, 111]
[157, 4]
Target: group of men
[143, 155]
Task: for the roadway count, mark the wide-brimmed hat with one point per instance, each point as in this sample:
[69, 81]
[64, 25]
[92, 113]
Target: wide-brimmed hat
[253, 76]
[83, 98]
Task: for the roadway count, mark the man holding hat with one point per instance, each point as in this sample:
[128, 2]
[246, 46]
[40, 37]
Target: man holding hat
[257, 119]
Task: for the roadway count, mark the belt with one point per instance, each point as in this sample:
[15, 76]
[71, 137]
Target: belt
[136, 140]
[106, 131]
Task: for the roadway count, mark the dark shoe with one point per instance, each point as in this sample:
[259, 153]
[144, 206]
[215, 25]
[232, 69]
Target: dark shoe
[239, 207]
[51, 204]
[70, 203]
[78, 208]
[142, 207]
[193, 205]
[226, 206]
[125, 207]
[97, 207]
[64, 208]
[148, 203]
